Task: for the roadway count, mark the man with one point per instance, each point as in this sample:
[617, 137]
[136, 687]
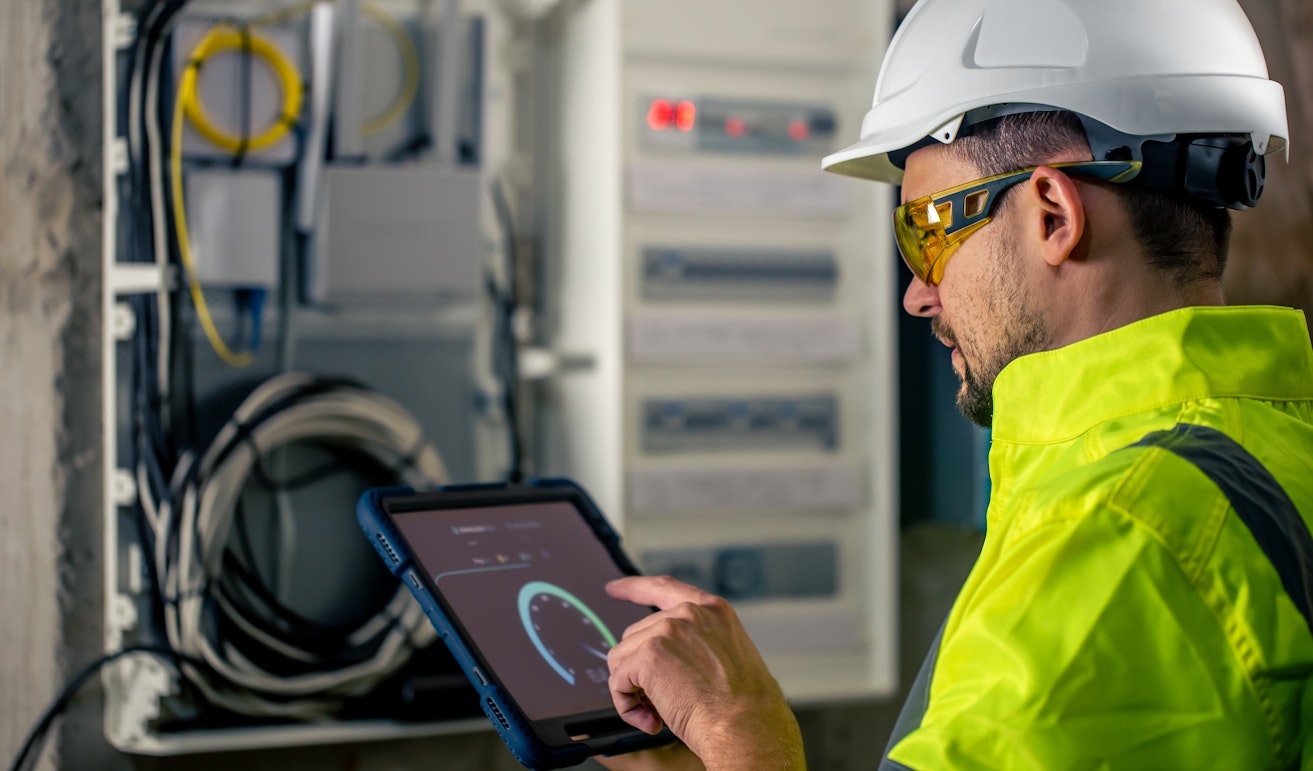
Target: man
[1142, 597]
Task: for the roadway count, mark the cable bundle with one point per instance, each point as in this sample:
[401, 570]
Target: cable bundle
[252, 668]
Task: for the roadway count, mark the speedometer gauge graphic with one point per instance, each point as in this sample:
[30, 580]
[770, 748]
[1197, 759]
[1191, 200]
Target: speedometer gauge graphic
[567, 633]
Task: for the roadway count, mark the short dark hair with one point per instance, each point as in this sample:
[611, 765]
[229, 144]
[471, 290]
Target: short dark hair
[1184, 239]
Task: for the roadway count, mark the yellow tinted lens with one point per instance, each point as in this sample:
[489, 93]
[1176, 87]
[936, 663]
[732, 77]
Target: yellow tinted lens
[919, 231]
[908, 237]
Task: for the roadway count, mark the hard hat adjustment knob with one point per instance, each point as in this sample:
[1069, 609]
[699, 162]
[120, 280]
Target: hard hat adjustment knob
[1225, 171]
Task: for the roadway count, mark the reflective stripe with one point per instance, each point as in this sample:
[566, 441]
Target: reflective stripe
[1257, 498]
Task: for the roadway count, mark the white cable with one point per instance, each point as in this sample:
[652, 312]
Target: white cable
[287, 538]
[155, 172]
[142, 69]
[148, 507]
[134, 86]
[321, 105]
[284, 410]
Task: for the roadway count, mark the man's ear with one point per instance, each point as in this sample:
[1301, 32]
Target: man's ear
[1060, 225]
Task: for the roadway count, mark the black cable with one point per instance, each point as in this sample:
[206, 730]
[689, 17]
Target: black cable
[506, 223]
[182, 360]
[342, 463]
[505, 356]
[29, 753]
[148, 441]
[304, 633]
[147, 400]
[510, 396]
[328, 645]
[244, 137]
[245, 430]
[145, 446]
[155, 22]
[246, 569]
[243, 588]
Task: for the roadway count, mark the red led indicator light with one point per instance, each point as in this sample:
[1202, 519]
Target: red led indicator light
[685, 115]
[735, 128]
[799, 130]
[660, 114]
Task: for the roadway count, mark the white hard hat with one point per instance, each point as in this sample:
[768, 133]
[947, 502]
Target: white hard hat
[1144, 68]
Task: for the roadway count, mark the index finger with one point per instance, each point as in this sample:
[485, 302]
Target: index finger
[662, 592]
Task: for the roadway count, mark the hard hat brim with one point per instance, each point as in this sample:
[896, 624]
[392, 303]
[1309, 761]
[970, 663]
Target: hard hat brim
[864, 160]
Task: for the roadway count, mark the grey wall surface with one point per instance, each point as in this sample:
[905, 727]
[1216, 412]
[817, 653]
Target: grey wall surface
[49, 349]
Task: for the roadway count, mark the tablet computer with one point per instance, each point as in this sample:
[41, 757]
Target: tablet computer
[513, 577]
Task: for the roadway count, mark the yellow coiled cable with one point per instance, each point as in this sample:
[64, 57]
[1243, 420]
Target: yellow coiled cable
[219, 40]
[186, 105]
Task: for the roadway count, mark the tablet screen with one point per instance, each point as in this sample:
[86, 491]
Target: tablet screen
[527, 584]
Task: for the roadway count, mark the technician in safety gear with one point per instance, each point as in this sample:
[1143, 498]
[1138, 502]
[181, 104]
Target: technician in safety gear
[1142, 599]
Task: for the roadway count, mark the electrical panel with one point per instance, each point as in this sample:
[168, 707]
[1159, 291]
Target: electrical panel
[419, 226]
[673, 273]
[734, 306]
[722, 125]
[234, 226]
[252, 265]
[739, 424]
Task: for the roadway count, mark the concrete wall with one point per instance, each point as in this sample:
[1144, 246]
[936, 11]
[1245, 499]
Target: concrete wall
[49, 354]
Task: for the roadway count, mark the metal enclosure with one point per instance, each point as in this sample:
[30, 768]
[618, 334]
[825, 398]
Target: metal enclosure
[420, 338]
[733, 306]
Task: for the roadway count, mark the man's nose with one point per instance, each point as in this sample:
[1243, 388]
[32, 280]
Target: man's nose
[921, 299]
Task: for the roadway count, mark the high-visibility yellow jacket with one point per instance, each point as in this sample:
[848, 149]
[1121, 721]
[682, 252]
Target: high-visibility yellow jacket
[1120, 616]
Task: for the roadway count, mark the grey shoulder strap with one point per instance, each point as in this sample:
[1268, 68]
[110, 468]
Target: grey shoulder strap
[1258, 499]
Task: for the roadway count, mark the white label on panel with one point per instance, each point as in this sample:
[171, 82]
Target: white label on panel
[696, 187]
[664, 339]
[802, 630]
[653, 490]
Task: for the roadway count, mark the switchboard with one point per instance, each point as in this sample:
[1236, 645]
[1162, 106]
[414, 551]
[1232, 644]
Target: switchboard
[736, 308]
[673, 273]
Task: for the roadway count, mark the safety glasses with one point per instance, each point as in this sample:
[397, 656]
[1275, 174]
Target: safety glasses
[931, 228]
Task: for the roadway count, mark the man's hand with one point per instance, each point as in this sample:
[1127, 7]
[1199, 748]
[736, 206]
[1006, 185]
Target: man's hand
[692, 667]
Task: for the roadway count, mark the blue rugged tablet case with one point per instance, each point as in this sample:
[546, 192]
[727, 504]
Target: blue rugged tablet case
[506, 718]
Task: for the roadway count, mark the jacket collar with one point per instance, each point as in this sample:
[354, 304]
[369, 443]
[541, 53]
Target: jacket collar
[1184, 355]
